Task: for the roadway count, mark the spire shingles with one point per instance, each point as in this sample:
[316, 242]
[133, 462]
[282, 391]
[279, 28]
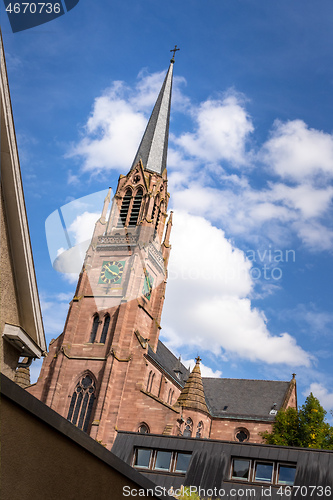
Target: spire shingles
[193, 396]
[154, 144]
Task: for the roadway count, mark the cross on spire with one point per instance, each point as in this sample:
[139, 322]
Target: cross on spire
[173, 55]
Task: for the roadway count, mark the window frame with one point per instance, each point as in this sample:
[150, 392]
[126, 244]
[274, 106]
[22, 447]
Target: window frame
[135, 456]
[274, 481]
[152, 461]
[171, 464]
[264, 462]
[284, 464]
[241, 478]
[177, 453]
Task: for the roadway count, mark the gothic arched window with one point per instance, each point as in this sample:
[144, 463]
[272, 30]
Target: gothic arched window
[143, 428]
[82, 401]
[136, 208]
[199, 429]
[94, 329]
[188, 428]
[149, 381]
[105, 328]
[124, 208]
[170, 396]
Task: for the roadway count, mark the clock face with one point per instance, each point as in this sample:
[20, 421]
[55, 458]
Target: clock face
[112, 271]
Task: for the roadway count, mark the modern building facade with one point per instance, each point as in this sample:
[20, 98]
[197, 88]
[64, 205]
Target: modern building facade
[108, 371]
[21, 326]
[224, 469]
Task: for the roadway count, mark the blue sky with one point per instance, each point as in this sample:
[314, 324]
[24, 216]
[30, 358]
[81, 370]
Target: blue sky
[250, 166]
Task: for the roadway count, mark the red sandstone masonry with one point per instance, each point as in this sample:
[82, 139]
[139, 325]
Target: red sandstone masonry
[121, 367]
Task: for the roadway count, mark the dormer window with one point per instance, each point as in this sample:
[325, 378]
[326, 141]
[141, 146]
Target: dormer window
[273, 410]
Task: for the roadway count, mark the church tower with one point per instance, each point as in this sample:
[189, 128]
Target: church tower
[97, 373]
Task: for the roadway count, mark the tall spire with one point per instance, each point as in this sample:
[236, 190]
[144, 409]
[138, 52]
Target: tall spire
[154, 144]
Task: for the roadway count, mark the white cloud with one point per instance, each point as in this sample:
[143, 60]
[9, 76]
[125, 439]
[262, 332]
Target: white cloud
[54, 309]
[316, 236]
[222, 130]
[83, 226]
[321, 392]
[118, 119]
[311, 202]
[275, 213]
[295, 151]
[206, 371]
[207, 299]
[69, 262]
[35, 370]
[149, 86]
[113, 132]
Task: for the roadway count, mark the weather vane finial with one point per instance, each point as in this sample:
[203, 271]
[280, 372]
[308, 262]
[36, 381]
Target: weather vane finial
[173, 55]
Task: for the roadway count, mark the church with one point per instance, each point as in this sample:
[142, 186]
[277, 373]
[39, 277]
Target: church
[108, 372]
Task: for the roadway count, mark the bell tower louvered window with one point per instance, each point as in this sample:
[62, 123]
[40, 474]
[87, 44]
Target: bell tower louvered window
[154, 210]
[105, 329]
[124, 208]
[82, 401]
[157, 221]
[136, 208]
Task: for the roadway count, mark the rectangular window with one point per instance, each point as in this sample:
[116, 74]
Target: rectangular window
[286, 474]
[264, 472]
[163, 460]
[182, 463]
[240, 469]
[142, 458]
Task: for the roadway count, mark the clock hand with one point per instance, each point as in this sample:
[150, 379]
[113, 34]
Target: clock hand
[110, 271]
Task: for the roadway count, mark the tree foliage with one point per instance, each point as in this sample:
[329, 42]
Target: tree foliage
[306, 427]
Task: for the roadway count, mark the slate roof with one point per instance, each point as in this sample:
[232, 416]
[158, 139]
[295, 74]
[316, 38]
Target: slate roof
[244, 398]
[250, 399]
[168, 361]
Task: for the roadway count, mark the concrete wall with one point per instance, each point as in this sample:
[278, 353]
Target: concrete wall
[44, 456]
[9, 356]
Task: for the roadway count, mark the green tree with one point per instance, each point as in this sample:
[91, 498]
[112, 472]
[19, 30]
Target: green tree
[306, 427]
[312, 426]
[285, 429]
